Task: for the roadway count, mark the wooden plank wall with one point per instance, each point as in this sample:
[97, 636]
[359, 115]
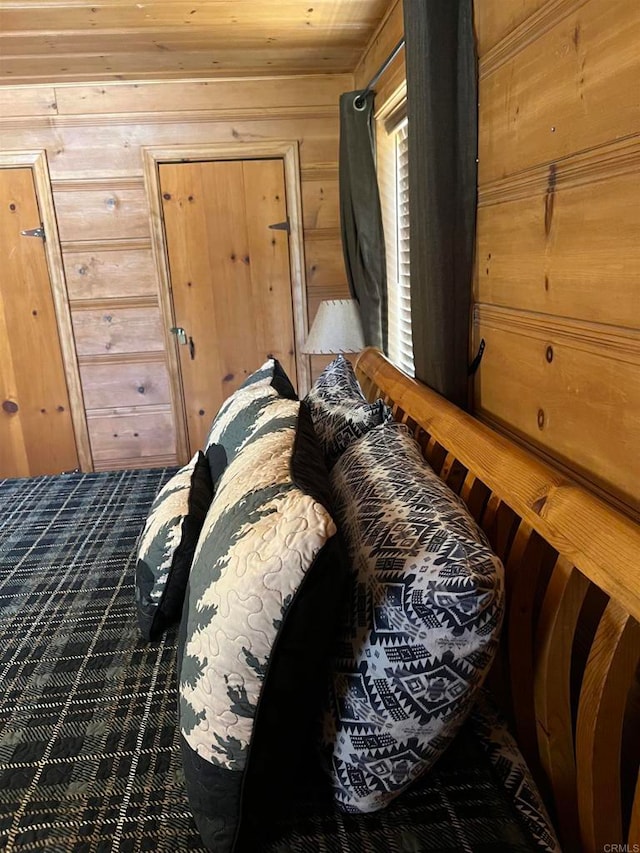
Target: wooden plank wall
[557, 285]
[385, 39]
[93, 136]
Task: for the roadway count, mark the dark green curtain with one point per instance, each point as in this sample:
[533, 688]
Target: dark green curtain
[443, 134]
[360, 216]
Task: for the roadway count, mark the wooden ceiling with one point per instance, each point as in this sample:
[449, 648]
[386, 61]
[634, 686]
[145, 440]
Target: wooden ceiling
[47, 41]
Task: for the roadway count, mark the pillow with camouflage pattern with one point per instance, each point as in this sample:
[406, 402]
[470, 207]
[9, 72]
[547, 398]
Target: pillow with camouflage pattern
[258, 624]
[232, 425]
[167, 544]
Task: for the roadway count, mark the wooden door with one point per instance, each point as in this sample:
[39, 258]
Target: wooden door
[230, 277]
[36, 431]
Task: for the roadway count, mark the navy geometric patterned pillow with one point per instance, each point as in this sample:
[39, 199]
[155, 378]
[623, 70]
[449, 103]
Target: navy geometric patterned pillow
[421, 629]
[239, 414]
[495, 739]
[167, 545]
[340, 411]
[257, 628]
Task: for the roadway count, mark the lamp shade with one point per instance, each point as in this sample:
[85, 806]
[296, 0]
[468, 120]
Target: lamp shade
[336, 328]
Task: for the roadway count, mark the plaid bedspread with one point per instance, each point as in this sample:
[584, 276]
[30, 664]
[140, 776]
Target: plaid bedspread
[89, 760]
[88, 751]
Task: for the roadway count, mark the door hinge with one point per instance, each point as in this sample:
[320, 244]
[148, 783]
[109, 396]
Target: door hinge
[281, 226]
[35, 232]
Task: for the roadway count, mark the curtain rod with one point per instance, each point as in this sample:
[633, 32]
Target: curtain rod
[359, 100]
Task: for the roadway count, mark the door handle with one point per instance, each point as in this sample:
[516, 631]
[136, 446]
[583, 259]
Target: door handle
[180, 334]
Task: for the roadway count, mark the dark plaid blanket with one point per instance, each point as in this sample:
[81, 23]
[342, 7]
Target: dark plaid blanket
[88, 754]
[89, 760]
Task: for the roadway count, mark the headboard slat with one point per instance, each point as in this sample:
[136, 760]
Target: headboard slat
[634, 830]
[571, 641]
[559, 615]
[487, 520]
[453, 473]
[475, 494]
[610, 671]
[435, 454]
[527, 569]
[504, 526]
[574, 521]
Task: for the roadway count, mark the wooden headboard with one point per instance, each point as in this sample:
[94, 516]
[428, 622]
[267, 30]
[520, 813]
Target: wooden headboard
[567, 675]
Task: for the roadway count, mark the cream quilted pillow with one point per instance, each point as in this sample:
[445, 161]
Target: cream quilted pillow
[258, 623]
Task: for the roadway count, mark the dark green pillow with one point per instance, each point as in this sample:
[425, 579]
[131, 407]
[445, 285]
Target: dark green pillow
[167, 545]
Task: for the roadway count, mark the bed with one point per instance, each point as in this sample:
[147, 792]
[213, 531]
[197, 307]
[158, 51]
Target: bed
[89, 753]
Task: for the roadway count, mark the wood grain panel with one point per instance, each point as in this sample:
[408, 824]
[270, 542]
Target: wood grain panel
[319, 172]
[186, 116]
[161, 461]
[233, 299]
[93, 150]
[110, 274]
[495, 21]
[102, 214]
[118, 330]
[380, 46]
[378, 51]
[229, 53]
[325, 260]
[565, 250]
[220, 16]
[320, 203]
[271, 291]
[129, 41]
[203, 207]
[28, 101]
[573, 88]
[36, 430]
[153, 65]
[118, 383]
[137, 435]
[579, 403]
[202, 95]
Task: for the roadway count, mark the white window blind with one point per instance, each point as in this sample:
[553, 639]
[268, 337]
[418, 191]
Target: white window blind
[399, 282]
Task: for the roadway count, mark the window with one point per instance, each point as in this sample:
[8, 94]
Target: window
[393, 178]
